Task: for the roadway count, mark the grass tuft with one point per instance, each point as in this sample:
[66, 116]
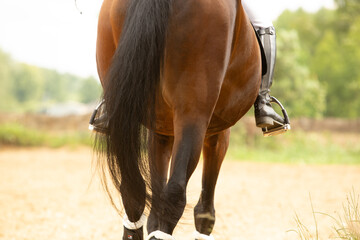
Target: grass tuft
[346, 225]
[303, 231]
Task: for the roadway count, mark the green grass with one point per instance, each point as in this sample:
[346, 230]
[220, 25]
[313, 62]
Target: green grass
[14, 134]
[294, 147]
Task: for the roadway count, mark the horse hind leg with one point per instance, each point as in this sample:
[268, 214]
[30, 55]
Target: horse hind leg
[188, 142]
[160, 153]
[214, 151]
[134, 219]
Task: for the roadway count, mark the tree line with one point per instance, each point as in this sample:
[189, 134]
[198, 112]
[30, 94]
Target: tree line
[27, 88]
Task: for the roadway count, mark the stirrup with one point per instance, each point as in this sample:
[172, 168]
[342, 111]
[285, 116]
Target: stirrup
[278, 128]
[92, 126]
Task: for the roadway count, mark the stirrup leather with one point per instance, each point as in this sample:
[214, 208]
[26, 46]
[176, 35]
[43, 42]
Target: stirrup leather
[278, 128]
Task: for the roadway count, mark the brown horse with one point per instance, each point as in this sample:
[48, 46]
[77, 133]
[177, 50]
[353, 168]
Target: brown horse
[187, 70]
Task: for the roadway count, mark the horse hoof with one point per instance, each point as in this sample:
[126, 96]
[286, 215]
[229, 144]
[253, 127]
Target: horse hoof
[136, 234]
[205, 223]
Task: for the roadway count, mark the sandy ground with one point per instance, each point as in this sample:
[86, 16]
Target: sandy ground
[52, 194]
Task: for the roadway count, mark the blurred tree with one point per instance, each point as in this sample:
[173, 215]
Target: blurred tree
[28, 86]
[329, 66]
[73, 86]
[7, 101]
[347, 11]
[336, 63]
[90, 90]
[301, 93]
[303, 23]
[330, 52]
[54, 87]
[351, 80]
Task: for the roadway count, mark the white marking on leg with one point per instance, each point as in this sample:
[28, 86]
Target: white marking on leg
[160, 235]
[200, 236]
[133, 226]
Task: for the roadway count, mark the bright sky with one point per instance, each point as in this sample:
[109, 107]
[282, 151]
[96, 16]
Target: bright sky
[53, 33]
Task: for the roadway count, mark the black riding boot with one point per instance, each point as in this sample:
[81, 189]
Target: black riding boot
[265, 115]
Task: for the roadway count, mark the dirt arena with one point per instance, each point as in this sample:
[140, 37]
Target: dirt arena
[53, 194]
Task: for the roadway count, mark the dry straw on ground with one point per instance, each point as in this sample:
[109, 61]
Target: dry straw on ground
[346, 224]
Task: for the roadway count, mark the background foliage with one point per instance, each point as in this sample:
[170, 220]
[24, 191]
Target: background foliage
[318, 57]
[26, 88]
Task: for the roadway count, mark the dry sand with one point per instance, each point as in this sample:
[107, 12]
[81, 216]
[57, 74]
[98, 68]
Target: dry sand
[52, 194]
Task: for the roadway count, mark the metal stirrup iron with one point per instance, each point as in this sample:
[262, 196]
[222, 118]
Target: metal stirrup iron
[92, 118]
[277, 129]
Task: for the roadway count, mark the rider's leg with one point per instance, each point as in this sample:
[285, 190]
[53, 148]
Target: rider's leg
[265, 115]
[257, 11]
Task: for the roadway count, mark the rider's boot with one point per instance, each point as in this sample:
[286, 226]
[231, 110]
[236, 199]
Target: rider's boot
[265, 116]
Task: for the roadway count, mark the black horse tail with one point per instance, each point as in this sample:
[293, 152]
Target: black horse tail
[129, 93]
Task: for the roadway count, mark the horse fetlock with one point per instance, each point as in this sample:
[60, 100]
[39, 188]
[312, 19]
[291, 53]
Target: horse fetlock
[175, 194]
[152, 221]
[204, 223]
[171, 206]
